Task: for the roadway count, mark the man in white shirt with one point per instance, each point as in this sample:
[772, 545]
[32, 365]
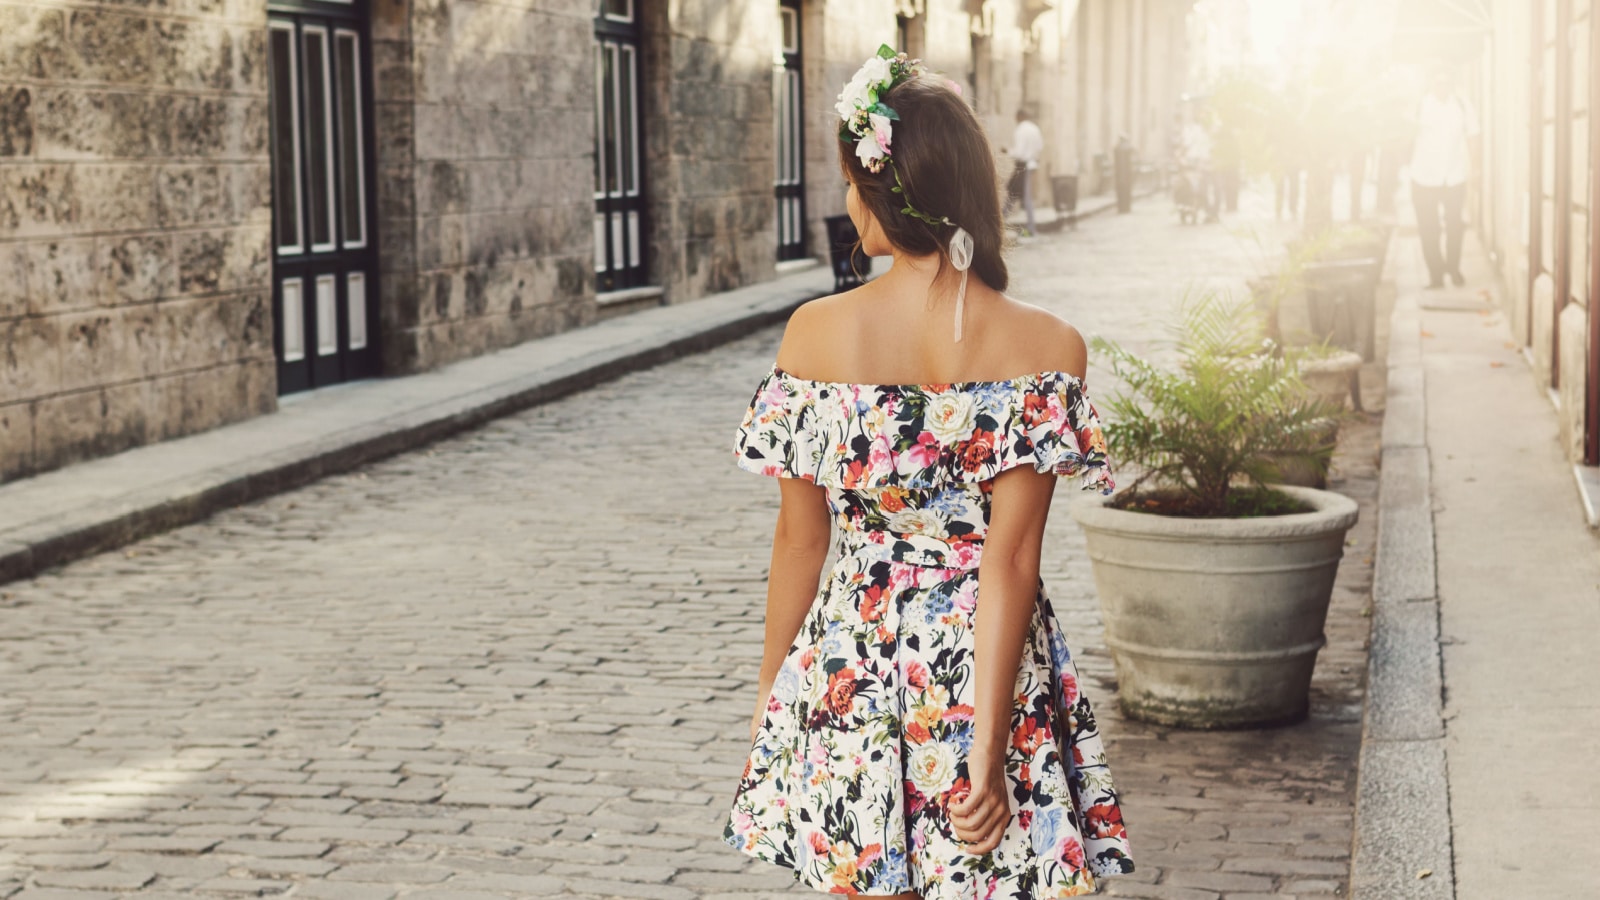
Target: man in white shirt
[1027, 145]
[1443, 160]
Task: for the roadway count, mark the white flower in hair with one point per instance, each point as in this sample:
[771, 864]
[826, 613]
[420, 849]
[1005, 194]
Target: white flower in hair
[876, 70]
[869, 152]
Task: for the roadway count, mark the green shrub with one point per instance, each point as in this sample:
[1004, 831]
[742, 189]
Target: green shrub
[1205, 431]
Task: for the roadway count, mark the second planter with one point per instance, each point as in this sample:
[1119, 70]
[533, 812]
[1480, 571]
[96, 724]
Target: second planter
[1216, 623]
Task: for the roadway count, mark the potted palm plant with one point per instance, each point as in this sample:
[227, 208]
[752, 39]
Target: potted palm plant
[1214, 582]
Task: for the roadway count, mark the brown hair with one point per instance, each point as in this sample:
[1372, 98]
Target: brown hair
[945, 164]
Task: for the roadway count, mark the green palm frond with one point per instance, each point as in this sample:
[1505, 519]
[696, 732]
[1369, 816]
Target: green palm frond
[1232, 402]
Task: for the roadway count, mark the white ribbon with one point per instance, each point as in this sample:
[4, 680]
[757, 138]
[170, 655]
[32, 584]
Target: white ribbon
[961, 258]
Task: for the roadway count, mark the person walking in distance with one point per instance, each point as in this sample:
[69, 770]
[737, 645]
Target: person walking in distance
[1442, 161]
[1027, 145]
[1195, 147]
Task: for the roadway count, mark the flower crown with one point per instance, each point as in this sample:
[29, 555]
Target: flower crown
[869, 124]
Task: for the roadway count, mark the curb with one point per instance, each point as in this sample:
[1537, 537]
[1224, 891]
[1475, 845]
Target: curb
[1402, 826]
[99, 525]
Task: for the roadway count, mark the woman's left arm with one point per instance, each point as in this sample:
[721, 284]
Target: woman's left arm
[799, 548]
[1008, 591]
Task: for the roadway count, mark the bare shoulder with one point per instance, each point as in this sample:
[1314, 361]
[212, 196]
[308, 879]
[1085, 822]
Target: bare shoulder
[1047, 342]
[813, 330]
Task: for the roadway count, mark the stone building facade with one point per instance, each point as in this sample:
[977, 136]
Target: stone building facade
[205, 205]
[1534, 68]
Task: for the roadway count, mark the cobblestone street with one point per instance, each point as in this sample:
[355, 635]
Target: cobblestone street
[519, 663]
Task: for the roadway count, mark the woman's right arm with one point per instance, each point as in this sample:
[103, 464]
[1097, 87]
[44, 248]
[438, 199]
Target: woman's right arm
[799, 548]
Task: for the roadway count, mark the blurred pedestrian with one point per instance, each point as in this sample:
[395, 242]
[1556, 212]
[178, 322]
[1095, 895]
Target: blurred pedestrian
[1196, 155]
[1027, 145]
[1443, 159]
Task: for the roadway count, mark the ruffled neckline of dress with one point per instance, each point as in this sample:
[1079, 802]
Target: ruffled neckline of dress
[929, 387]
[859, 436]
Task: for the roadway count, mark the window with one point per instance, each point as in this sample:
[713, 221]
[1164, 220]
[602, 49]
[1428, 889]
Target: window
[619, 259]
[789, 123]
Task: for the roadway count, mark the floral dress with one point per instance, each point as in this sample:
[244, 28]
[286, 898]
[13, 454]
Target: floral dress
[863, 743]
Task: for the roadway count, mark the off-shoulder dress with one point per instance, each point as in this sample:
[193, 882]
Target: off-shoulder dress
[864, 740]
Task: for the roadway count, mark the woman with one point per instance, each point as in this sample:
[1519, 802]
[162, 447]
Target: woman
[904, 744]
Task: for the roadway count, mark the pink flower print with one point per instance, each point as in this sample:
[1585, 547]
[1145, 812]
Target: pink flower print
[925, 452]
[1069, 689]
[880, 457]
[1058, 413]
[966, 597]
[916, 675]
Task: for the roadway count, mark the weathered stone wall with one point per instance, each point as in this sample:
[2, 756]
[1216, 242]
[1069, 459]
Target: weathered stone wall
[486, 166]
[486, 175]
[134, 226]
[710, 148]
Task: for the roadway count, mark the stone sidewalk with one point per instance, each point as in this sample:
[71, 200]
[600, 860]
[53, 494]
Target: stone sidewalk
[1495, 641]
[518, 662]
[63, 515]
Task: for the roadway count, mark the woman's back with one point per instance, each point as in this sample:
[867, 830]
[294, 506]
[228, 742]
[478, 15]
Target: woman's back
[885, 333]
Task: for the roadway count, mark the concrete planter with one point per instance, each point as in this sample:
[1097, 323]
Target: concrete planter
[1329, 376]
[1216, 623]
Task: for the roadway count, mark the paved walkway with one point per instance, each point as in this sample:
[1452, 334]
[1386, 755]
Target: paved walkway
[518, 663]
[1519, 601]
[68, 513]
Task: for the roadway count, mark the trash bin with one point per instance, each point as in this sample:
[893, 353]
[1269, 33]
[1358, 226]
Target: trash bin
[1064, 191]
[850, 264]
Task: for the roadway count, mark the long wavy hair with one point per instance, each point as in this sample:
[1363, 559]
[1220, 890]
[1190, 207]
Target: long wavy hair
[946, 167]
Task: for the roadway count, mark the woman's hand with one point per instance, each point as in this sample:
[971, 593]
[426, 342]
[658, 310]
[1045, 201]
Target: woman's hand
[981, 815]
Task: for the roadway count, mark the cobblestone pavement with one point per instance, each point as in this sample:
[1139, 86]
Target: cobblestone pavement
[519, 663]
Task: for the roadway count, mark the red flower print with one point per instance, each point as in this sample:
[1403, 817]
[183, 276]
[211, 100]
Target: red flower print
[1027, 737]
[852, 476]
[842, 691]
[819, 844]
[915, 801]
[872, 604]
[891, 500]
[961, 787]
[979, 450]
[1035, 409]
[917, 733]
[1104, 820]
[961, 712]
[869, 855]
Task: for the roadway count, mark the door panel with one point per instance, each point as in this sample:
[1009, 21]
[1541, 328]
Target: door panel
[323, 262]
